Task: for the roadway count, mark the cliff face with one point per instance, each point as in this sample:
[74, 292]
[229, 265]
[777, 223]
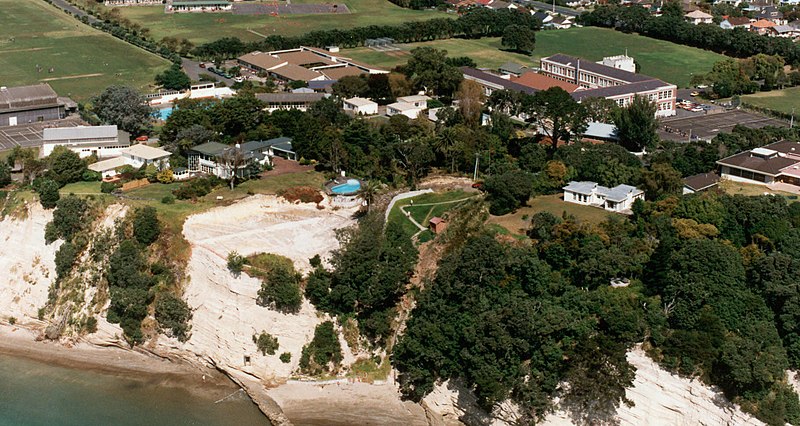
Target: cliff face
[27, 264]
[660, 398]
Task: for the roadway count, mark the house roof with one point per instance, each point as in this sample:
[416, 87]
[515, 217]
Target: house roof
[585, 188]
[289, 97]
[359, 101]
[403, 106]
[595, 130]
[262, 60]
[698, 14]
[147, 152]
[295, 72]
[763, 23]
[496, 80]
[335, 73]
[79, 132]
[436, 220]
[738, 20]
[210, 148]
[770, 160]
[320, 84]
[605, 92]
[513, 68]
[414, 98]
[783, 29]
[304, 57]
[106, 165]
[200, 3]
[594, 67]
[701, 181]
[543, 82]
[617, 193]
[25, 97]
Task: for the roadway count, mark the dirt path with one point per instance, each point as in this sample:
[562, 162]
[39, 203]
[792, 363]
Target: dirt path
[70, 77]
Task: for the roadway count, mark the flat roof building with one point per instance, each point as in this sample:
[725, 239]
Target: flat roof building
[305, 64]
[30, 104]
[102, 141]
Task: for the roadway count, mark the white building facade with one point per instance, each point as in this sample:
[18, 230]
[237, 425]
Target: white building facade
[102, 141]
[617, 199]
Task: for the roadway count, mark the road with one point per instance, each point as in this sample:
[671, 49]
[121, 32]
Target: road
[65, 5]
[544, 6]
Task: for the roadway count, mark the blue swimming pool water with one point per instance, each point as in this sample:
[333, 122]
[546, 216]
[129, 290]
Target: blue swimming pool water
[164, 113]
[351, 187]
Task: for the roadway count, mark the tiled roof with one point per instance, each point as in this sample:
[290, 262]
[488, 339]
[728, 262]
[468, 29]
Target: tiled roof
[335, 73]
[295, 72]
[543, 82]
[289, 97]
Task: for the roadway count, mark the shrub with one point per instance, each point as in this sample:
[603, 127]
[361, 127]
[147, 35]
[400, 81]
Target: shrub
[68, 219]
[174, 314]
[304, 194]
[90, 325]
[146, 227]
[281, 290]
[168, 199]
[235, 263]
[323, 350]
[65, 259]
[266, 343]
[91, 176]
[195, 188]
[107, 187]
[286, 357]
[165, 176]
[13, 320]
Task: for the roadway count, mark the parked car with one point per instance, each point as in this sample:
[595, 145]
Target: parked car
[202, 65]
[695, 93]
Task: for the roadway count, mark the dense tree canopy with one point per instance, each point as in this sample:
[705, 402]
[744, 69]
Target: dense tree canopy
[125, 107]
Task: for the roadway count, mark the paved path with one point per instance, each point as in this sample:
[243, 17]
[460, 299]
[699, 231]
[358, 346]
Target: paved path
[65, 5]
[403, 196]
[549, 7]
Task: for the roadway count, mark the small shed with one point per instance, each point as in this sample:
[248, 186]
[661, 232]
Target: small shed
[437, 225]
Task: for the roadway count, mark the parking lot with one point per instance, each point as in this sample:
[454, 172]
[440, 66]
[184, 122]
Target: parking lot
[30, 135]
[703, 126]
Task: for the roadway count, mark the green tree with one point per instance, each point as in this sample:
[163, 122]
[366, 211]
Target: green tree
[235, 263]
[124, 107]
[281, 290]
[556, 113]
[350, 86]
[428, 70]
[173, 78]
[69, 218]
[661, 181]
[65, 260]
[174, 314]
[508, 191]
[266, 343]
[146, 227]
[521, 38]
[323, 350]
[48, 193]
[5, 174]
[636, 125]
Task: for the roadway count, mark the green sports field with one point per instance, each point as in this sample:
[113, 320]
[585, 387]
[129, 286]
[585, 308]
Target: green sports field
[668, 61]
[779, 100]
[84, 61]
[204, 27]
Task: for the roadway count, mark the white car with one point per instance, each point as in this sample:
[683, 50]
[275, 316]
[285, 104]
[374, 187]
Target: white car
[238, 79]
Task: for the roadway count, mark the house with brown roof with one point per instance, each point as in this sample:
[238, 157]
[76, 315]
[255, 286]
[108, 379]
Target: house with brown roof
[699, 17]
[762, 26]
[731, 22]
[305, 64]
[776, 162]
[700, 182]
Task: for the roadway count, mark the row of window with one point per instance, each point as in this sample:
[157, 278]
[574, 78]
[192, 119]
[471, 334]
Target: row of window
[747, 174]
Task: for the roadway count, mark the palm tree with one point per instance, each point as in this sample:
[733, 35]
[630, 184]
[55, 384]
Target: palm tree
[369, 190]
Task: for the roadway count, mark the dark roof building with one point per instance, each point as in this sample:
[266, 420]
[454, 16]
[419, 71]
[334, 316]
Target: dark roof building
[776, 162]
[700, 182]
[30, 104]
[491, 82]
[289, 100]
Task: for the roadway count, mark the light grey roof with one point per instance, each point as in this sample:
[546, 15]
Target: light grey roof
[79, 132]
[619, 192]
[105, 165]
[359, 101]
[513, 67]
[147, 152]
[585, 188]
[600, 130]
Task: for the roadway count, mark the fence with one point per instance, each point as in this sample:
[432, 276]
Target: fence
[135, 184]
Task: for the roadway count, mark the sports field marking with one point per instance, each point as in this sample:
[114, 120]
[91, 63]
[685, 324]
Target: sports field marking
[69, 77]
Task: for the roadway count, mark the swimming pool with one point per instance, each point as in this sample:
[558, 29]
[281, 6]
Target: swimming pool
[164, 113]
[349, 188]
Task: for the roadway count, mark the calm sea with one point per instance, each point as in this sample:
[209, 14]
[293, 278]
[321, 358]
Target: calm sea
[33, 394]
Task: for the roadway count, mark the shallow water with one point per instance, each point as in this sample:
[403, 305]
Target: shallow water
[33, 394]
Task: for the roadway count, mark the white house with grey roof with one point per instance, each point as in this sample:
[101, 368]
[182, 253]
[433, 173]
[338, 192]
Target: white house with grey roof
[136, 156]
[360, 106]
[211, 157]
[617, 199]
[102, 141]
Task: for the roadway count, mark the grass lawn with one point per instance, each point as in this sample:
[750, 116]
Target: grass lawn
[84, 60]
[779, 100]
[204, 27]
[81, 188]
[422, 213]
[661, 59]
[553, 204]
[752, 190]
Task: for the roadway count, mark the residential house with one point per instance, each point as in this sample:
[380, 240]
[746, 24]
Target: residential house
[210, 157]
[700, 182]
[772, 14]
[29, 104]
[776, 162]
[543, 17]
[617, 199]
[360, 106]
[179, 6]
[732, 22]
[785, 31]
[101, 141]
[136, 156]
[560, 22]
[410, 106]
[699, 17]
[132, 2]
[288, 100]
[762, 26]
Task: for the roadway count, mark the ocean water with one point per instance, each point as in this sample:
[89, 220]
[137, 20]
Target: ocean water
[33, 394]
